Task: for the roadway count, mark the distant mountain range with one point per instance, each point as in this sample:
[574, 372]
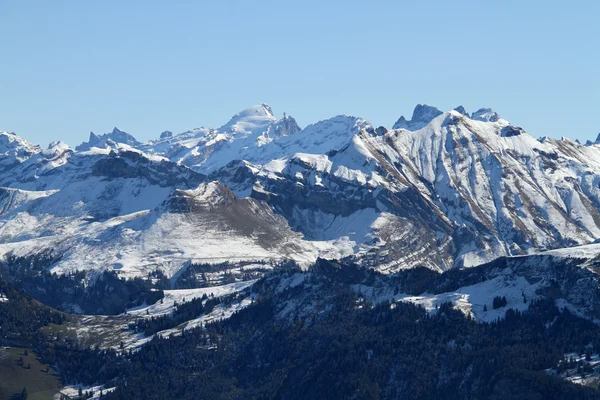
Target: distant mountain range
[441, 190]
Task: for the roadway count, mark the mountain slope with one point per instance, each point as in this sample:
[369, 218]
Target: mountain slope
[477, 186]
[121, 210]
[339, 330]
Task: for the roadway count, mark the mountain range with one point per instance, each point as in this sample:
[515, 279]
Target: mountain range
[452, 255]
[441, 190]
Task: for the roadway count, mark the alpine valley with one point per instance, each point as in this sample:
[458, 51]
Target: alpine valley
[452, 255]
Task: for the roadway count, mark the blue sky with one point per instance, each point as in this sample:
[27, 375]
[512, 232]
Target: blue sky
[68, 67]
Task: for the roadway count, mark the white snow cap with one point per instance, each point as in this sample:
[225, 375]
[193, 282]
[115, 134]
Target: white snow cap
[260, 111]
[249, 119]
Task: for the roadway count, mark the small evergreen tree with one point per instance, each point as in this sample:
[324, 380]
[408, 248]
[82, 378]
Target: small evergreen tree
[499, 302]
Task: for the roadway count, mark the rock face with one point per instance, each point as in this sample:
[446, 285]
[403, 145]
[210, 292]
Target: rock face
[131, 165]
[422, 115]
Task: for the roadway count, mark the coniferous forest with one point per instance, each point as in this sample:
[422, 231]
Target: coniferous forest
[343, 347]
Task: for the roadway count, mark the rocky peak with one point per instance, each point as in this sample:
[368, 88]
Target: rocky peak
[285, 127]
[267, 109]
[56, 148]
[485, 115]
[116, 136]
[422, 115]
[380, 131]
[461, 110]
[14, 148]
[120, 136]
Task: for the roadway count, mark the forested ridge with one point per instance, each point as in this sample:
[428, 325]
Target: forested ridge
[346, 347]
[341, 347]
[21, 317]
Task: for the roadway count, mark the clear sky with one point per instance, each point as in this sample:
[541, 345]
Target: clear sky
[68, 67]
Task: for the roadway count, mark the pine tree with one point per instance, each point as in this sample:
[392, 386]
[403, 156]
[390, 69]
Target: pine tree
[588, 354]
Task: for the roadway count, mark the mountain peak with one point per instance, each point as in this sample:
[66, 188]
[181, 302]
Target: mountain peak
[116, 136]
[267, 109]
[485, 115]
[250, 119]
[422, 115]
[461, 110]
[258, 111]
[55, 148]
[13, 141]
[14, 148]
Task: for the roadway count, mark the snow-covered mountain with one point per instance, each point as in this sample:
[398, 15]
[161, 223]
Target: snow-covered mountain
[248, 133]
[14, 150]
[442, 189]
[119, 209]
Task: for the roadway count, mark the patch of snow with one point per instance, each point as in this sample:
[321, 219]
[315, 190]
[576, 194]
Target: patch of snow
[72, 391]
[172, 297]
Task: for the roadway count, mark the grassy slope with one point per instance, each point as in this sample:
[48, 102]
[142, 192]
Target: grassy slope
[13, 378]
